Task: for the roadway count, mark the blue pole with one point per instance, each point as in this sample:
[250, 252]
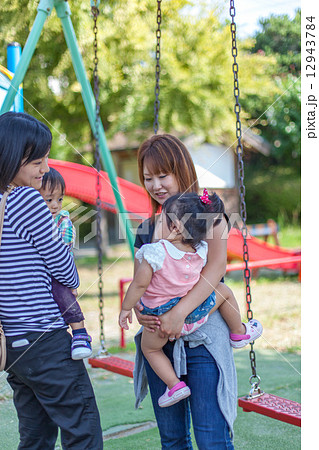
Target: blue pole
[13, 58]
[44, 10]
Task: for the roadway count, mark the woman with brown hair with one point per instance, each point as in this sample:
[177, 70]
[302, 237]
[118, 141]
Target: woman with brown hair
[203, 359]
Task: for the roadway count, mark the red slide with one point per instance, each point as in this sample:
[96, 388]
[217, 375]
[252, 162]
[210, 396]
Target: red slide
[81, 183]
[259, 250]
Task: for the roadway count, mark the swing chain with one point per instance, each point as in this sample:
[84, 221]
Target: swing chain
[157, 67]
[239, 152]
[95, 12]
[255, 390]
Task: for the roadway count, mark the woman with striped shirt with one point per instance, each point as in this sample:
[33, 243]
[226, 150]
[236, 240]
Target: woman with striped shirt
[51, 390]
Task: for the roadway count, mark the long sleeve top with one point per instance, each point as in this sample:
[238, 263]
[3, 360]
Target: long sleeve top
[32, 250]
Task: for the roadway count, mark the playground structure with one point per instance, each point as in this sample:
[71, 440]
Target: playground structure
[7, 74]
[279, 263]
[63, 12]
[257, 400]
[274, 256]
[81, 180]
[264, 230]
[81, 184]
[275, 407]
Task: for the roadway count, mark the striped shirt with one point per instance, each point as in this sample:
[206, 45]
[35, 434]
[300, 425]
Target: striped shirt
[31, 251]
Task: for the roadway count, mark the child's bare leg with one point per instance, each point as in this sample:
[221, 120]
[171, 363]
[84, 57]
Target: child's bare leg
[77, 325]
[229, 309]
[152, 348]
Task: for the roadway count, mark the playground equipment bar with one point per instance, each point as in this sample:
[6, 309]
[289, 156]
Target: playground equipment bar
[13, 58]
[264, 263]
[26, 56]
[229, 268]
[64, 13]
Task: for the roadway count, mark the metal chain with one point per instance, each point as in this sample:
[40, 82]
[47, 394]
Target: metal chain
[241, 188]
[157, 67]
[96, 12]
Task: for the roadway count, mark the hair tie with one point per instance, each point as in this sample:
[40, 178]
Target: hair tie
[205, 198]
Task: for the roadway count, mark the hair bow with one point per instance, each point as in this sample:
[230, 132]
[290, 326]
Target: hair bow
[205, 198]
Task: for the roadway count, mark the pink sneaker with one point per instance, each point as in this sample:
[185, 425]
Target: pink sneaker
[254, 330]
[174, 395]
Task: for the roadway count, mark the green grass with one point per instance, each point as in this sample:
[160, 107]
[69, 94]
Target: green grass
[290, 236]
[129, 348]
[91, 261]
[280, 375]
[279, 372]
[148, 440]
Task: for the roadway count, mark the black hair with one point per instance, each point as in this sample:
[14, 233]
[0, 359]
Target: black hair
[195, 215]
[22, 137]
[53, 179]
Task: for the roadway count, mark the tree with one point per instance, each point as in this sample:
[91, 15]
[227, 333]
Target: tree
[278, 117]
[281, 36]
[283, 128]
[196, 78]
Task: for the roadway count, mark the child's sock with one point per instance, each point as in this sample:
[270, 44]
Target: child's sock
[79, 331]
[81, 344]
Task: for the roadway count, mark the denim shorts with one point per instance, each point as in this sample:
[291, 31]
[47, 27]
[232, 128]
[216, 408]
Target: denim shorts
[198, 313]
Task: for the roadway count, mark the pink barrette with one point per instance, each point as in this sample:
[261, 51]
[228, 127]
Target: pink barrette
[204, 198]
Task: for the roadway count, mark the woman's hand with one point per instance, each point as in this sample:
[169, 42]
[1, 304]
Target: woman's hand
[172, 323]
[150, 323]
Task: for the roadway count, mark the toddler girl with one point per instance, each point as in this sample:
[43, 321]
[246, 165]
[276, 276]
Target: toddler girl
[168, 270]
[52, 191]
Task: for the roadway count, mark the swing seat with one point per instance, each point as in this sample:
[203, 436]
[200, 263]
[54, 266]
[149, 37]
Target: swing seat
[275, 407]
[113, 364]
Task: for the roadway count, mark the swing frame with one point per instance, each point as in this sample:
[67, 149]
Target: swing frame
[63, 12]
[266, 404]
[258, 401]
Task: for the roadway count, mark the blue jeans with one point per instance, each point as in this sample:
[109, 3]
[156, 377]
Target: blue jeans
[198, 313]
[210, 428]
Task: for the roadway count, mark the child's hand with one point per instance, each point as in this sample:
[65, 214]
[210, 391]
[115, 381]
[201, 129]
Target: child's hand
[74, 292]
[124, 316]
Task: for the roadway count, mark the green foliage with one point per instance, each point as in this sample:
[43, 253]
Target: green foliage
[276, 115]
[283, 129]
[289, 236]
[278, 120]
[196, 83]
[281, 36]
[273, 194]
[196, 77]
